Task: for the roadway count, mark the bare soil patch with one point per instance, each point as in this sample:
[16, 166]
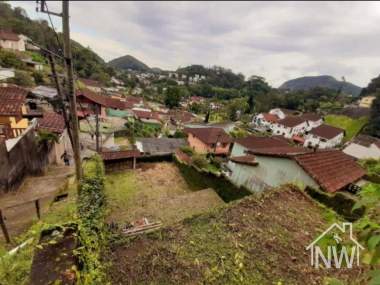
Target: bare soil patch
[253, 241]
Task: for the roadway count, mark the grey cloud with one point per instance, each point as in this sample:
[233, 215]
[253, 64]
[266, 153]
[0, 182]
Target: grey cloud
[279, 40]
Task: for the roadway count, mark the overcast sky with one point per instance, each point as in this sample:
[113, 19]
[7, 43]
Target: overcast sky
[277, 40]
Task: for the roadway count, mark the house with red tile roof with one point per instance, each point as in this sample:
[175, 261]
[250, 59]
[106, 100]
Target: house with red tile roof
[265, 120]
[54, 123]
[89, 102]
[93, 85]
[313, 120]
[12, 111]
[12, 41]
[290, 126]
[324, 136]
[282, 113]
[147, 116]
[272, 164]
[208, 140]
[363, 147]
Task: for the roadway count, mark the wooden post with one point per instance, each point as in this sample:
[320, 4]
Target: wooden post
[4, 228]
[70, 87]
[97, 111]
[134, 162]
[37, 203]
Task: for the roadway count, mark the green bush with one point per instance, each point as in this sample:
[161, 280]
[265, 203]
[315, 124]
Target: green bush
[372, 167]
[22, 78]
[200, 161]
[198, 180]
[10, 59]
[91, 212]
[340, 202]
[188, 150]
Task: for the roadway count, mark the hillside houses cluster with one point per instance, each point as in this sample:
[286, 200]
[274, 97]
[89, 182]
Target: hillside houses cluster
[306, 129]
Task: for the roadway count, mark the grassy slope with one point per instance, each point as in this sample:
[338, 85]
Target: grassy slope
[352, 126]
[256, 241]
[158, 192]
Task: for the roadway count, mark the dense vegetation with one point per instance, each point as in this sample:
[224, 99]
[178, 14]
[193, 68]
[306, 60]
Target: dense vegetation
[373, 89]
[87, 63]
[91, 212]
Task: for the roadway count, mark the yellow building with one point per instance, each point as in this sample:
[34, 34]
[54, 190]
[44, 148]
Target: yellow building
[366, 102]
[12, 110]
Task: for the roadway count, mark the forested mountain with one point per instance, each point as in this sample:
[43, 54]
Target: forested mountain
[86, 62]
[216, 76]
[324, 81]
[128, 62]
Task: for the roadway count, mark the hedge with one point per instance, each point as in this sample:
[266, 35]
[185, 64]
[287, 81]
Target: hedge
[91, 214]
[198, 179]
[340, 202]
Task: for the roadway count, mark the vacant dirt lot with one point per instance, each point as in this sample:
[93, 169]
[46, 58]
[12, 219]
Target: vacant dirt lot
[258, 240]
[156, 191]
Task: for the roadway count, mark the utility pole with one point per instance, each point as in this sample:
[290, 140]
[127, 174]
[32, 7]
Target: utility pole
[72, 118]
[70, 87]
[61, 96]
[97, 107]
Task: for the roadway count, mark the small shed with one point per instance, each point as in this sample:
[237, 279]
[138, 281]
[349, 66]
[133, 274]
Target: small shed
[120, 159]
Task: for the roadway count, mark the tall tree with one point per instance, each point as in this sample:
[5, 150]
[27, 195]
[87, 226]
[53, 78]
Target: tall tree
[173, 97]
[372, 87]
[374, 121]
[254, 87]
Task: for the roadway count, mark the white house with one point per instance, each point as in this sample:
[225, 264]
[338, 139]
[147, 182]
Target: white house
[324, 136]
[282, 113]
[313, 120]
[12, 41]
[363, 147]
[265, 120]
[290, 126]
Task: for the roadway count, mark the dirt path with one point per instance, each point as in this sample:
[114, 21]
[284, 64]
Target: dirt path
[19, 217]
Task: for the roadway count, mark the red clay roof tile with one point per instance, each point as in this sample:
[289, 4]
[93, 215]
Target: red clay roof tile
[326, 131]
[253, 142]
[115, 155]
[209, 135]
[332, 170]
[11, 100]
[52, 122]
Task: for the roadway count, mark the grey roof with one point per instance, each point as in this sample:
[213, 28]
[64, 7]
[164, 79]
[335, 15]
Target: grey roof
[45, 91]
[159, 146]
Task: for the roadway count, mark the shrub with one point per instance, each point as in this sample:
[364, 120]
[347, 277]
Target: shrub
[188, 150]
[10, 59]
[22, 78]
[38, 77]
[91, 212]
[200, 161]
[340, 202]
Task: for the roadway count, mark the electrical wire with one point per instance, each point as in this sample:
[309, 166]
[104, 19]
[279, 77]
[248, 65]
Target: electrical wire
[53, 27]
